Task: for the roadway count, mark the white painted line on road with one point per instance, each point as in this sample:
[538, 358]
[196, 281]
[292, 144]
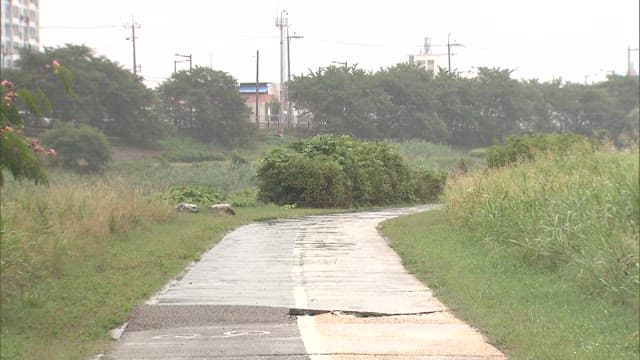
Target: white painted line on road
[310, 337]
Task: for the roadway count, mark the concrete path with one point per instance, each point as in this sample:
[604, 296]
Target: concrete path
[322, 287]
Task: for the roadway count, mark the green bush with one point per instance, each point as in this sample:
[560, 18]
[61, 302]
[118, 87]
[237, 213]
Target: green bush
[328, 171]
[193, 194]
[81, 148]
[428, 184]
[526, 147]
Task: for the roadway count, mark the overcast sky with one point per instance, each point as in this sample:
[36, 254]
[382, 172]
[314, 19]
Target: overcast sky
[543, 39]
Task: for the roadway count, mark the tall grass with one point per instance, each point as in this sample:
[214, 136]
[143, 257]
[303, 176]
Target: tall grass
[575, 214]
[159, 175]
[43, 226]
[422, 154]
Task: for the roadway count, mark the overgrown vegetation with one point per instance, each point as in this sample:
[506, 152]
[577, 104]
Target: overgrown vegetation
[329, 171]
[526, 147]
[575, 213]
[80, 148]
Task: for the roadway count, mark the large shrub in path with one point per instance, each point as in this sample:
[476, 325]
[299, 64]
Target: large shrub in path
[328, 171]
[81, 148]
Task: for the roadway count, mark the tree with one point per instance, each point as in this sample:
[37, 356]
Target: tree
[19, 155]
[410, 111]
[206, 104]
[342, 100]
[106, 96]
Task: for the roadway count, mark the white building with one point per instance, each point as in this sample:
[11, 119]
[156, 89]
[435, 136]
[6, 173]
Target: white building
[428, 59]
[20, 27]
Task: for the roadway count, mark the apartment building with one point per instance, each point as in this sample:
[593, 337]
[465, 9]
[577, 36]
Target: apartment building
[20, 28]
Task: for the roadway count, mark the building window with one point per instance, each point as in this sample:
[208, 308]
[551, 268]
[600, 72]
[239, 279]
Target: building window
[431, 65]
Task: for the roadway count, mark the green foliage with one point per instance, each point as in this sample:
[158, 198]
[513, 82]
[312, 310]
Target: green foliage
[206, 105]
[329, 171]
[576, 213]
[247, 197]
[19, 158]
[81, 148]
[188, 150]
[428, 184]
[423, 154]
[406, 102]
[527, 147]
[106, 96]
[18, 154]
[194, 194]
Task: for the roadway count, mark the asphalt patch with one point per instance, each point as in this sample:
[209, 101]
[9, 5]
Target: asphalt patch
[149, 317]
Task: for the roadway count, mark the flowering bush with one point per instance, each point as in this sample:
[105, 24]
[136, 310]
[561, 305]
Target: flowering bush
[18, 154]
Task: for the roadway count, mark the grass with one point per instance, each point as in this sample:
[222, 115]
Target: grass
[419, 153]
[577, 214]
[526, 312]
[67, 315]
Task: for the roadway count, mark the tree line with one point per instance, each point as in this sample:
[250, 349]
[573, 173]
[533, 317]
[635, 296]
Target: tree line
[404, 101]
[399, 102]
[203, 102]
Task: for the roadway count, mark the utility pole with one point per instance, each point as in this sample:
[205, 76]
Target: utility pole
[257, 84]
[282, 22]
[190, 73]
[449, 45]
[294, 36]
[133, 27]
[629, 50]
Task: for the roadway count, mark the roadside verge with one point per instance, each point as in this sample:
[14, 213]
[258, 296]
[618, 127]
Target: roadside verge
[524, 312]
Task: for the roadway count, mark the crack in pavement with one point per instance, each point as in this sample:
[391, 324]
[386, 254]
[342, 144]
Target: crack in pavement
[360, 314]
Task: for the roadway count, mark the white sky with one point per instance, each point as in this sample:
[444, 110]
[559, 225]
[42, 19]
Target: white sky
[543, 39]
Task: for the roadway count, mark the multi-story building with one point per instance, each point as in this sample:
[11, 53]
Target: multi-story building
[20, 27]
[430, 61]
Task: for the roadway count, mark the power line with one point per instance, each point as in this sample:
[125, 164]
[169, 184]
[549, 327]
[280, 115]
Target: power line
[79, 27]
